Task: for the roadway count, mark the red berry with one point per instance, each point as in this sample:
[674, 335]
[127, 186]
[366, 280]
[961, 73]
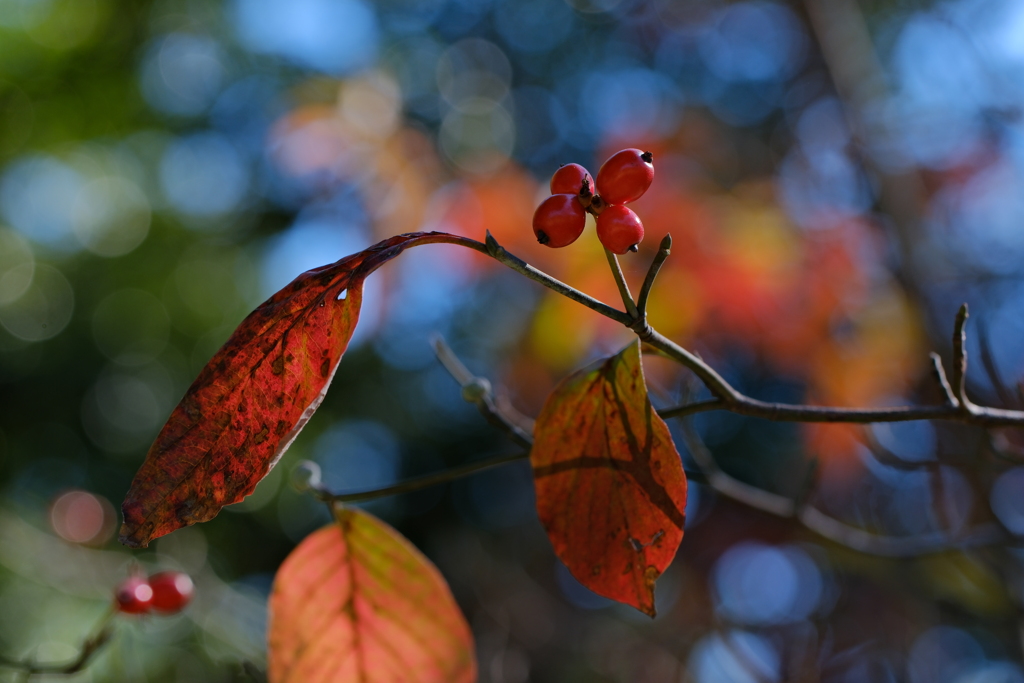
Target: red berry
[559, 220]
[569, 179]
[625, 176]
[171, 591]
[619, 229]
[134, 595]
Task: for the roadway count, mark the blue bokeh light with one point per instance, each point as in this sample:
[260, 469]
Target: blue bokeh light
[37, 197]
[203, 175]
[333, 36]
[758, 584]
[182, 73]
[755, 41]
[734, 656]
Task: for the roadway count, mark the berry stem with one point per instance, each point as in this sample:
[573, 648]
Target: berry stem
[620, 282]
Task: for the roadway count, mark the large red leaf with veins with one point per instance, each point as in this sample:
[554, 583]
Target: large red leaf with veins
[252, 398]
[357, 602]
[611, 491]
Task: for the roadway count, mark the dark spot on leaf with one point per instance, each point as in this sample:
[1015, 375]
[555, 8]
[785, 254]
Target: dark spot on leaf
[261, 435]
[325, 367]
[277, 367]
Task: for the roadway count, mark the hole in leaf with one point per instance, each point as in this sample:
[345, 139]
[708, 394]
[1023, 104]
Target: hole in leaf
[342, 294]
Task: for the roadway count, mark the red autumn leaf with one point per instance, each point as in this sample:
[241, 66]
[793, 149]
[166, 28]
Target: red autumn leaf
[357, 602]
[253, 397]
[611, 491]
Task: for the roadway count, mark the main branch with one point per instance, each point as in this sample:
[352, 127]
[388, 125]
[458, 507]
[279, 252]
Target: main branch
[727, 397]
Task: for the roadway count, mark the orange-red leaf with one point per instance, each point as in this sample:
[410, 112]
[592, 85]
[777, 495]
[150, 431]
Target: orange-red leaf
[358, 602]
[611, 491]
[252, 398]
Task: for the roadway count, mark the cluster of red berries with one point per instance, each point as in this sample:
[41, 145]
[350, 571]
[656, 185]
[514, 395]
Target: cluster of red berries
[624, 178]
[166, 592]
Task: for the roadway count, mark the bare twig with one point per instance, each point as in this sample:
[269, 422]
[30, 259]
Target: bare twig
[940, 377]
[664, 249]
[960, 358]
[99, 637]
[620, 282]
[418, 483]
[692, 408]
[826, 526]
[478, 390]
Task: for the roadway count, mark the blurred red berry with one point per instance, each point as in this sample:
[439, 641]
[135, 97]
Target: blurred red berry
[559, 220]
[134, 595]
[625, 176]
[619, 229]
[569, 179]
[171, 591]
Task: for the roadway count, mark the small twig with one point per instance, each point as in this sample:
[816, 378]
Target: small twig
[100, 636]
[478, 390]
[510, 413]
[664, 249]
[940, 376]
[620, 282]
[323, 494]
[729, 486]
[826, 526]
[692, 408]
[960, 358]
[418, 483]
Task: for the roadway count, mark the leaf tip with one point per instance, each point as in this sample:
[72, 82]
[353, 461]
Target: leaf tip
[131, 538]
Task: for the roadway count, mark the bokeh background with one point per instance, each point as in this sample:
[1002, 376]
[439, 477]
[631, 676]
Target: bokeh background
[838, 176]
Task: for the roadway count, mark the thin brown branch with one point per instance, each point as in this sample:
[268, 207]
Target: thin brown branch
[418, 483]
[960, 357]
[736, 402]
[478, 390]
[620, 282]
[100, 636]
[940, 376]
[664, 249]
[692, 408]
[443, 477]
[829, 527]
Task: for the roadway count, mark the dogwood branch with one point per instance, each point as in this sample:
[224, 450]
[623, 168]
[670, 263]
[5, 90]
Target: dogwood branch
[732, 400]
